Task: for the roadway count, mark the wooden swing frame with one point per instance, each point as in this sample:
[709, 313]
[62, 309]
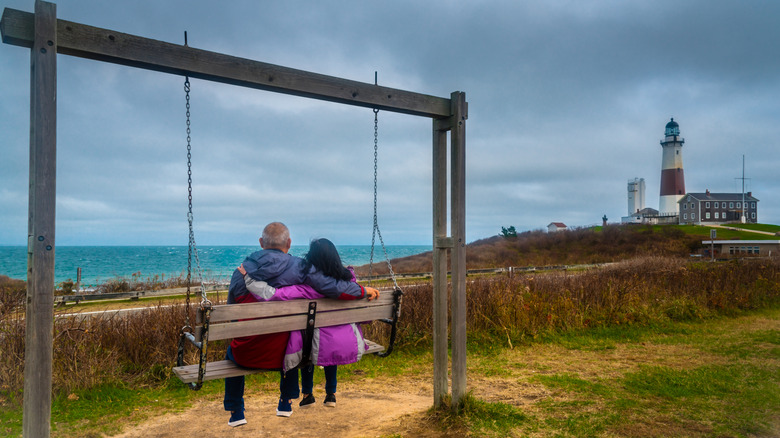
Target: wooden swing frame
[46, 36]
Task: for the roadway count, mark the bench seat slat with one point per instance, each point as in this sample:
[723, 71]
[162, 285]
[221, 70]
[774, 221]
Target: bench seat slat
[296, 322]
[225, 368]
[228, 312]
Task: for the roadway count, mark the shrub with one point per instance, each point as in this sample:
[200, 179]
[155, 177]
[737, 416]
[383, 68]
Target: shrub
[12, 294]
[67, 287]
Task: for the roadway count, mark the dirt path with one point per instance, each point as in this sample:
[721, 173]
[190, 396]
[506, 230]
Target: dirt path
[366, 409]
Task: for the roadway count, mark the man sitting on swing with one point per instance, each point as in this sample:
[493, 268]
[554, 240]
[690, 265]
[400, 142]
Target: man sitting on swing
[277, 268]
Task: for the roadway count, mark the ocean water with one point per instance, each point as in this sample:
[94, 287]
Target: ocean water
[101, 263]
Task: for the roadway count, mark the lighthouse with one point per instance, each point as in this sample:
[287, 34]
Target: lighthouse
[672, 178]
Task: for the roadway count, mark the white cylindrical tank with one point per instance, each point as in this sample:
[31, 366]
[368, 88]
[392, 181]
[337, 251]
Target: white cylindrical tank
[636, 195]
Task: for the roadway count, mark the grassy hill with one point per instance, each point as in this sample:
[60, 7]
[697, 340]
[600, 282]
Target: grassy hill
[583, 245]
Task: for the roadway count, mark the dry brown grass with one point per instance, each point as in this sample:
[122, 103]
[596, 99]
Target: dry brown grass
[644, 290]
[141, 349]
[577, 246]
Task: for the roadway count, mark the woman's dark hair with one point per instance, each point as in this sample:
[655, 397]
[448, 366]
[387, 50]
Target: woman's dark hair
[324, 256]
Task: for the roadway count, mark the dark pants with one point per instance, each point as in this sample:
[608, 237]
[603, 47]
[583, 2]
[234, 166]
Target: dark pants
[234, 387]
[307, 379]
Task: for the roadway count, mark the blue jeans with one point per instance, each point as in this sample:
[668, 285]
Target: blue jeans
[307, 379]
[234, 387]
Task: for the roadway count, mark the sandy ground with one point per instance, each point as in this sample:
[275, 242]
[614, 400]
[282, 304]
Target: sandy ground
[366, 409]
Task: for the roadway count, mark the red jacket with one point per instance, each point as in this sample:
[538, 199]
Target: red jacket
[259, 351]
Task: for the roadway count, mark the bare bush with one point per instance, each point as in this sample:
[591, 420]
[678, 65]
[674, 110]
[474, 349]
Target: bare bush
[12, 294]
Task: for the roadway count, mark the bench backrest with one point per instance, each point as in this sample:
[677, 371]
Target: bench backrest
[235, 320]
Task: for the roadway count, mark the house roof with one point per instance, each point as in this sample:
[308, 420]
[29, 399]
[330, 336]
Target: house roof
[719, 197]
[742, 242]
[558, 224]
[648, 211]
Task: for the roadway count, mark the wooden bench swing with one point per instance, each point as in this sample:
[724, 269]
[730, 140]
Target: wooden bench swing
[233, 320]
[229, 321]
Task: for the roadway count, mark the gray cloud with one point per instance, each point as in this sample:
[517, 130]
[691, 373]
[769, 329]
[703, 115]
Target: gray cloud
[568, 100]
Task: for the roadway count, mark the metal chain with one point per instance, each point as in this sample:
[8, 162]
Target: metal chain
[189, 193]
[376, 231]
[192, 248]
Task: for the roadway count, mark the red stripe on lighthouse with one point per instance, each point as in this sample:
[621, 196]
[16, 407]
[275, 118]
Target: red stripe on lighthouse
[672, 182]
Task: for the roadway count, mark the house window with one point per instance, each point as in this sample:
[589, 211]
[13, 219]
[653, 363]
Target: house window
[707, 215]
[685, 216]
[693, 216]
[707, 205]
[685, 206]
[717, 215]
[739, 205]
[731, 205]
[716, 205]
[753, 215]
[752, 205]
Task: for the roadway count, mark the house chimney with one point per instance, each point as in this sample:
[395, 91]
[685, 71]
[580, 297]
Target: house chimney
[708, 192]
[750, 194]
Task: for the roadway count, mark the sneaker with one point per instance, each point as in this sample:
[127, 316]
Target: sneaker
[284, 409]
[236, 419]
[308, 400]
[330, 400]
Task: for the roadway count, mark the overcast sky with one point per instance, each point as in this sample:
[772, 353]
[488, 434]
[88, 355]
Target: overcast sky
[567, 101]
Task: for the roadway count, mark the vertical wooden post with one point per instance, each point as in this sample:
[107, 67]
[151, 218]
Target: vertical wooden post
[440, 248]
[40, 247]
[458, 218]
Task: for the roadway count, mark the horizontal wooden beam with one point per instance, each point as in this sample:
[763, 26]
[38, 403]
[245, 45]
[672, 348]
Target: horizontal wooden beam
[289, 323]
[265, 309]
[106, 45]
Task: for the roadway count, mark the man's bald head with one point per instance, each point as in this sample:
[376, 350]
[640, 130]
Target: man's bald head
[276, 235]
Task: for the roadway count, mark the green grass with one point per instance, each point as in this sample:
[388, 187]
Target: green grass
[725, 382]
[722, 233]
[758, 227]
[108, 408]
[480, 418]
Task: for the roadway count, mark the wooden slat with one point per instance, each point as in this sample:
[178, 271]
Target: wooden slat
[226, 368]
[296, 322]
[229, 312]
[110, 46]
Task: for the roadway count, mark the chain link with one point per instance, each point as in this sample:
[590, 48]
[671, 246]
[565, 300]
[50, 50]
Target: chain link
[192, 247]
[189, 195]
[376, 231]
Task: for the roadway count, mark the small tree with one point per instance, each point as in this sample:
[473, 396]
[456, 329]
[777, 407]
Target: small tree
[67, 287]
[509, 232]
